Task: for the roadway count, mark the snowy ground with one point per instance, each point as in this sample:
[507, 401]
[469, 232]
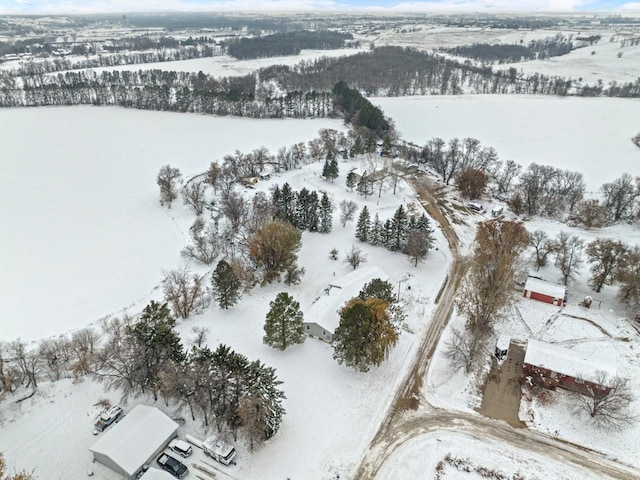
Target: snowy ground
[588, 135]
[83, 235]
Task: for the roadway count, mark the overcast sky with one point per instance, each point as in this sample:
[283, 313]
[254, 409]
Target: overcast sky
[98, 6]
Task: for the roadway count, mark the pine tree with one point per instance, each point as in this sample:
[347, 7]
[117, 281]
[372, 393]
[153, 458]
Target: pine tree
[375, 234]
[288, 203]
[351, 180]
[364, 186]
[326, 214]
[325, 169]
[263, 384]
[332, 171]
[399, 229]
[313, 212]
[283, 324]
[364, 225]
[226, 285]
[302, 209]
[387, 237]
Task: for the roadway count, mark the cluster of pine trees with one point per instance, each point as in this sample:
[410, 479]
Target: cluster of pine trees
[146, 357]
[405, 233]
[304, 209]
[358, 110]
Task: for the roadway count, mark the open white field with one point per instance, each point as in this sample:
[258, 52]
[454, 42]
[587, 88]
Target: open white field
[603, 64]
[82, 233]
[588, 135]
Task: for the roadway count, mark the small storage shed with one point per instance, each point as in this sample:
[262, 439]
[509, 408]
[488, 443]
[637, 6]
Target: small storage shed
[553, 366]
[502, 346]
[133, 443]
[322, 318]
[537, 289]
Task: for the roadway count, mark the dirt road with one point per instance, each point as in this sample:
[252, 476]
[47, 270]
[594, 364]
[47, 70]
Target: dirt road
[402, 425]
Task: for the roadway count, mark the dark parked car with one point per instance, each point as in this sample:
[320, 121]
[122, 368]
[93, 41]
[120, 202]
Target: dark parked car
[173, 466]
[106, 418]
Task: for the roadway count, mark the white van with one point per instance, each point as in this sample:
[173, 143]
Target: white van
[181, 448]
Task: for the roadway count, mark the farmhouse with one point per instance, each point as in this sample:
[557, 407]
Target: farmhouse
[537, 289]
[322, 317]
[551, 366]
[131, 445]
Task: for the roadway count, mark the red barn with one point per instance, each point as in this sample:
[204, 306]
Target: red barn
[551, 366]
[542, 291]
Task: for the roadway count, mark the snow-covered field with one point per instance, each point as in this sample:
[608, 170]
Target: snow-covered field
[588, 135]
[604, 64]
[82, 233]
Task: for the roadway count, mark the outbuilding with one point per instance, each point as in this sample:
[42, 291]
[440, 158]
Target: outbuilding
[552, 366]
[129, 447]
[322, 318]
[537, 289]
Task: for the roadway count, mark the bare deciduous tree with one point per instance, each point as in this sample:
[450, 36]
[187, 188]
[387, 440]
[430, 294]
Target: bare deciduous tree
[606, 256]
[213, 175]
[200, 338]
[355, 257]
[183, 290]
[608, 408]
[487, 290]
[418, 244]
[462, 349]
[206, 242]
[168, 180]
[590, 214]
[29, 362]
[620, 197]
[348, 209]
[542, 247]
[193, 195]
[568, 250]
[83, 346]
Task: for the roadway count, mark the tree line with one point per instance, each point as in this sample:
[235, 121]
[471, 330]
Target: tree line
[285, 43]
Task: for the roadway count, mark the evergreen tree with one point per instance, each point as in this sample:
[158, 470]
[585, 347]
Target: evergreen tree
[288, 202]
[326, 214]
[262, 384]
[313, 212]
[283, 324]
[399, 229]
[325, 169]
[302, 209]
[226, 285]
[332, 170]
[351, 180]
[364, 186]
[364, 225]
[365, 334]
[375, 234]
[387, 237]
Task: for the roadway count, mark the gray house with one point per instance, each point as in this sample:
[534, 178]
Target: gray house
[130, 446]
[322, 317]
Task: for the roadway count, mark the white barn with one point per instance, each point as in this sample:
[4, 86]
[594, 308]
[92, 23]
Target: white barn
[129, 446]
[322, 318]
[155, 474]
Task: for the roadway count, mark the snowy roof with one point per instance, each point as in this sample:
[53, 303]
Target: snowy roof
[155, 474]
[324, 310]
[567, 362]
[503, 342]
[133, 441]
[546, 288]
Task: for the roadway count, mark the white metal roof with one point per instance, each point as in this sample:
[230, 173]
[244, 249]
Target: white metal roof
[139, 434]
[503, 342]
[155, 474]
[546, 288]
[324, 310]
[567, 362]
